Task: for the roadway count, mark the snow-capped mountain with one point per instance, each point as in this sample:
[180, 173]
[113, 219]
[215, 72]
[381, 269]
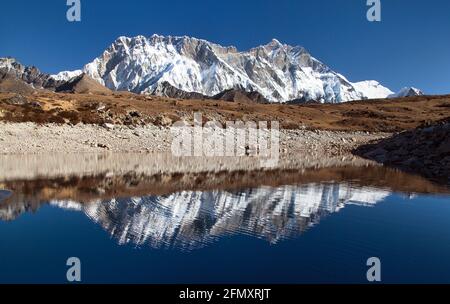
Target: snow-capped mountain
[372, 89]
[278, 71]
[192, 219]
[407, 92]
[67, 75]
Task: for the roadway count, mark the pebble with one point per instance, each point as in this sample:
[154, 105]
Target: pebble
[108, 126]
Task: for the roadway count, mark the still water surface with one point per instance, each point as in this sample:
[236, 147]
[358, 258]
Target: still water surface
[321, 228]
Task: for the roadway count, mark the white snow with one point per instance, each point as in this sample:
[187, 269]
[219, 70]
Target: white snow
[372, 89]
[7, 63]
[66, 75]
[278, 71]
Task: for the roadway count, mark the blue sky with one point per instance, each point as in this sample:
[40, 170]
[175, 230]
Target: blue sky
[409, 47]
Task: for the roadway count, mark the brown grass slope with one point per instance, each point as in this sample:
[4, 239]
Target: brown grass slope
[83, 84]
[389, 115]
[9, 84]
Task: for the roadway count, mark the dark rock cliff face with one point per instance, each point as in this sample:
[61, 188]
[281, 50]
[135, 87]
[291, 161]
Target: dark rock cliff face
[425, 150]
[240, 95]
[168, 90]
[13, 70]
[233, 95]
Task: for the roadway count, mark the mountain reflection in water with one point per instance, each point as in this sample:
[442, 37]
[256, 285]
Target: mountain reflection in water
[191, 219]
[154, 211]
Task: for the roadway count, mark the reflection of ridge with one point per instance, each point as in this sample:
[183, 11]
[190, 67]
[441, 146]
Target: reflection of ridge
[191, 219]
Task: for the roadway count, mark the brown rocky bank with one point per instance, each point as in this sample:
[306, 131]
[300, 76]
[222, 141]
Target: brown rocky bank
[424, 150]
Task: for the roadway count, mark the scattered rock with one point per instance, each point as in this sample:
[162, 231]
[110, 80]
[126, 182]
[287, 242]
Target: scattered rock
[108, 126]
[134, 114]
[101, 107]
[17, 100]
[164, 120]
[103, 146]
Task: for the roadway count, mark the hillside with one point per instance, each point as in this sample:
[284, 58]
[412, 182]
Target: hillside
[385, 115]
[82, 84]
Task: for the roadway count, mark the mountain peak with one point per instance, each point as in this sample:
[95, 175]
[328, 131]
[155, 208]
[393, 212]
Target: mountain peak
[15, 71]
[7, 61]
[372, 89]
[275, 42]
[277, 71]
[407, 92]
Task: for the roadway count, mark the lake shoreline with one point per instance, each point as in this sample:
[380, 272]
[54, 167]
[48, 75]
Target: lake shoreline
[32, 138]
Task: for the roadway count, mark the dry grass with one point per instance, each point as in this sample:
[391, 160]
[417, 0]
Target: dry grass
[126, 108]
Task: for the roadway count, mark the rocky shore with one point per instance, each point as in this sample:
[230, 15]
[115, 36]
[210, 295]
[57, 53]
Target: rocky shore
[425, 150]
[31, 138]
